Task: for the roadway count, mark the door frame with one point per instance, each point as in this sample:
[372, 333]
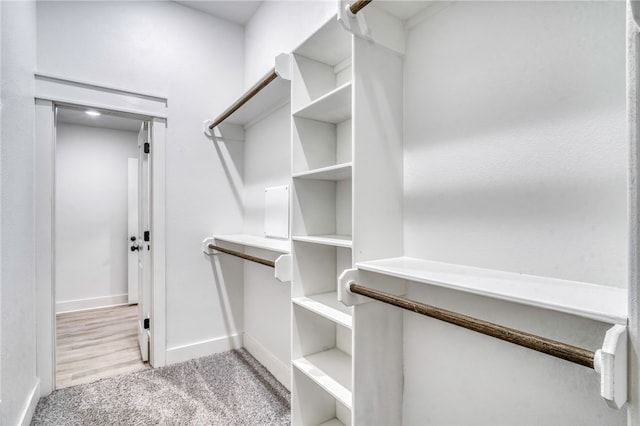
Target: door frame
[52, 91]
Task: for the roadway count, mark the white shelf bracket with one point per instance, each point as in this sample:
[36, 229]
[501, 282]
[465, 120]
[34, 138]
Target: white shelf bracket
[611, 363]
[344, 293]
[205, 246]
[283, 66]
[374, 25]
[282, 270]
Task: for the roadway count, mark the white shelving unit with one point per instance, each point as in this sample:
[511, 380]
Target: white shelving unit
[321, 227]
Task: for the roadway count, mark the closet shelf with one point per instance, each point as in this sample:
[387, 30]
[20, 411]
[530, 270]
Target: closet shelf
[327, 306]
[598, 302]
[273, 244]
[270, 97]
[334, 107]
[337, 172]
[331, 370]
[328, 240]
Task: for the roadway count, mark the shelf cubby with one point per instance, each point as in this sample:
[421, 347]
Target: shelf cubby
[322, 351]
[313, 405]
[318, 145]
[316, 268]
[322, 208]
[321, 64]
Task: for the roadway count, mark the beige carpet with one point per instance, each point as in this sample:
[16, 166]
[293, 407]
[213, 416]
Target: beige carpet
[231, 388]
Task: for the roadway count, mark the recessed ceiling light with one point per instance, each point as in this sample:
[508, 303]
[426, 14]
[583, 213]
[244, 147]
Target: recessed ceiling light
[92, 113]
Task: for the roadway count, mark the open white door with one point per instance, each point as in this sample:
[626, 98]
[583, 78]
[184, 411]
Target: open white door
[132, 226]
[144, 244]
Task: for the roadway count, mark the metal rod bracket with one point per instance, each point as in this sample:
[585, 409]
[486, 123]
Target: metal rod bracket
[344, 292]
[611, 363]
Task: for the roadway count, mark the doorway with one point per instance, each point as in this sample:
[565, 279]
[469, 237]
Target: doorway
[102, 244]
[51, 92]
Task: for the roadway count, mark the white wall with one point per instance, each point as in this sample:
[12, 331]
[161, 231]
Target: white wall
[17, 275]
[279, 27]
[91, 215]
[515, 159]
[193, 59]
[267, 301]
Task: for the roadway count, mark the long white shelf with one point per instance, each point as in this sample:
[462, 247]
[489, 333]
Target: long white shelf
[334, 107]
[272, 96]
[331, 370]
[328, 240]
[598, 302]
[337, 172]
[273, 244]
[327, 306]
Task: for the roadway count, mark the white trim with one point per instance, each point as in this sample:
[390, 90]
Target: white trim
[91, 303]
[158, 349]
[29, 406]
[203, 348]
[45, 298]
[280, 370]
[65, 91]
[93, 85]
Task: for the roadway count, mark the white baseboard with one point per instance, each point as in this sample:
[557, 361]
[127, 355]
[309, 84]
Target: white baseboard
[91, 303]
[280, 370]
[30, 405]
[204, 348]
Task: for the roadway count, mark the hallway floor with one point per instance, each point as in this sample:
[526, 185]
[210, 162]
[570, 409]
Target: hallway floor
[95, 344]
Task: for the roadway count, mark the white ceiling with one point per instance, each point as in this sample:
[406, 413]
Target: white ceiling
[237, 11]
[105, 120]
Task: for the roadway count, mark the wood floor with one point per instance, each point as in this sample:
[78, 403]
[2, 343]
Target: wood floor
[95, 344]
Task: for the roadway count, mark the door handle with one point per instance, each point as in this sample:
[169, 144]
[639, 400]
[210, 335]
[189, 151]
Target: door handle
[134, 248]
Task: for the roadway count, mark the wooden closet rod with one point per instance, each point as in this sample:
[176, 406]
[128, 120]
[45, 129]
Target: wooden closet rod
[358, 5]
[550, 347]
[245, 98]
[261, 261]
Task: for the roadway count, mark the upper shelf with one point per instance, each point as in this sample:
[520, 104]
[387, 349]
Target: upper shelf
[268, 93]
[598, 302]
[273, 244]
[334, 107]
[330, 44]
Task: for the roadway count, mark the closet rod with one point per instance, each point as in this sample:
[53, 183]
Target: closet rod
[358, 5]
[264, 262]
[550, 347]
[271, 75]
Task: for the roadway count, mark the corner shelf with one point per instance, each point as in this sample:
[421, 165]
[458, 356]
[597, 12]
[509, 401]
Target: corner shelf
[331, 370]
[597, 302]
[329, 240]
[273, 244]
[335, 173]
[334, 107]
[327, 306]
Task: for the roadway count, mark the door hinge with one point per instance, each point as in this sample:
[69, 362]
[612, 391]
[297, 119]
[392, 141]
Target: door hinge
[147, 235]
[147, 147]
[146, 323]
